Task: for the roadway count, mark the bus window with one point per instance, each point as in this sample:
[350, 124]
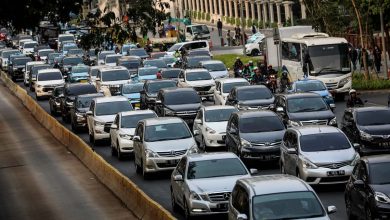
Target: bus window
[291, 51]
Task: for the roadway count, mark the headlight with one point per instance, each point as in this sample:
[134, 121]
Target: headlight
[126, 136]
[193, 150]
[333, 121]
[39, 86]
[99, 124]
[355, 159]
[211, 131]
[245, 143]
[306, 163]
[294, 123]
[150, 154]
[169, 112]
[69, 103]
[194, 196]
[382, 198]
[344, 81]
[365, 136]
[329, 97]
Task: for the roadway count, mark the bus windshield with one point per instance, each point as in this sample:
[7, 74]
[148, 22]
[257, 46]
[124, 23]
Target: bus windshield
[325, 59]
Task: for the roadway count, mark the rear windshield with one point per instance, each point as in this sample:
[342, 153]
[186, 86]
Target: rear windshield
[137, 52]
[49, 76]
[182, 97]
[80, 90]
[44, 53]
[156, 63]
[260, 124]
[227, 87]
[72, 61]
[155, 87]
[132, 88]
[112, 108]
[115, 75]
[21, 61]
[324, 142]
[195, 76]
[129, 64]
[371, 118]
[131, 121]
[253, 93]
[147, 71]
[170, 74]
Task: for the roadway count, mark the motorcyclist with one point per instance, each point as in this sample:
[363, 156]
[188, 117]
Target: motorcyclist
[284, 80]
[251, 66]
[247, 71]
[270, 71]
[177, 54]
[238, 65]
[354, 100]
[257, 77]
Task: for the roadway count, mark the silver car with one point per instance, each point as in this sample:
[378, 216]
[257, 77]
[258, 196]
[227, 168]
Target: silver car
[201, 184]
[275, 197]
[318, 154]
[160, 143]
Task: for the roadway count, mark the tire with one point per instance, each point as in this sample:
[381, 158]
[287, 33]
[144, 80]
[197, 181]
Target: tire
[174, 205]
[348, 208]
[254, 53]
[186, 210]
[368, 213]
[137, 168]
[118, 152]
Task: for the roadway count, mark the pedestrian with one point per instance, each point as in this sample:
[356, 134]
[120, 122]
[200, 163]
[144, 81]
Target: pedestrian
[377, 54]
[237, 35]
[229, 38]
[161, 31]
[219, 26]
[253, 29]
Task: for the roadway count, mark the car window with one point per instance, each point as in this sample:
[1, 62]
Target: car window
[324, 142]
[261, 124]
[371, 118]
[215, 168]
[181, 166]
[139, 131]
[239, 197]
[380, 173]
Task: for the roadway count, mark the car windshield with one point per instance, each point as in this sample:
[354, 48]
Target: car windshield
[175, 47]
[170, 74]
[80, 69]
[156, 63]
[72, 61]
[193, 62]
[112, 108]
[260, 124]
[131, 121]
[85, 102]
[324, 142]
[112, 59]
[253, 93]
[51, 56]
[217, 115]
[132, 88]
[49, 76]
[80, 90]
[137, 52]
[165, 132]
[215, 168]
[115, 75]
[306, 104]
[29, 45]
[21, 61]
[310, 86]
[130, 64]
[75, 51]
[380, 173]
[182, 97]
[67, 47]
[215, 67]
[195, 76]
[169, 60]
[147, 71]
[371, 118]
[287, 205]
[328, 59]
[227, 87]
[35, 69]
[44, 53]
[156, 86]
[66, 38]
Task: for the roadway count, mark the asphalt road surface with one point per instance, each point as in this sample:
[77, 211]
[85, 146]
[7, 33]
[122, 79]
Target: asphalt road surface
[158, 187]
[40, 179]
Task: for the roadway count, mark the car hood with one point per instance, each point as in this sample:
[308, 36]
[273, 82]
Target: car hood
[306, 116]
[256, 102]
[132, 95]
[219, 74]
[184, 107]
[105, 118]
[376, 129]
[118, 82]
[214, 185]
[176, 145]
[201, 83]
[82, 110]
[383, 188]
[332, 156]
[50, 82]
[259, 137]
[219, 127]
[127, 131]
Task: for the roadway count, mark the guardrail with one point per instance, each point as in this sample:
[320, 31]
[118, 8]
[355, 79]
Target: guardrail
[142, 206]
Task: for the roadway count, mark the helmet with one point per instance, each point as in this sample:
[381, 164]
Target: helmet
[254, 69]
[352, 91]
[150, 45]
[250, 62]
[237, 58]
[270, 67]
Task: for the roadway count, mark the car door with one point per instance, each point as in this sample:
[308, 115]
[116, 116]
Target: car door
[217, 94]
[352, 189]
[180, 81]
[362, 193]
[292, 158]
[239, 203]
[90, 117]
[137, 145]
[178, 187]
[114, 132]
[198, 127]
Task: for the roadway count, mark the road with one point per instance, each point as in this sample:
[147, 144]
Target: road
[40, 179]
[158, 187]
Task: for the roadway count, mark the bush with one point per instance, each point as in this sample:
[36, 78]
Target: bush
[199, 15]
[359, 83]
[208, 17]
[238, 21]
[249, 23]
[229, 59]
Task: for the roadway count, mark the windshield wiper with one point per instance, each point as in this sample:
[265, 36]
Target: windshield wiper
[307, 110]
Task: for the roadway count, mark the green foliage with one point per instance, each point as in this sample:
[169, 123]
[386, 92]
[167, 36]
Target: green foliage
[229, 59]
[255, 22]
[359, 83]
[188, 14]
[199, 16]
[249, 23]
[208, 17]
[274, 25]
[260, 25]
[238, 21]
[203, 16]
[224, 19]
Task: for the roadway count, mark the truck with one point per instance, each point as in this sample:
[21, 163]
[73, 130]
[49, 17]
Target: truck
[313, 55]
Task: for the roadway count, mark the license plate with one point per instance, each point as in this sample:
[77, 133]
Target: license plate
[83, 81]
[137, 105]
[222, 206]
[336, 173]
[384, 144]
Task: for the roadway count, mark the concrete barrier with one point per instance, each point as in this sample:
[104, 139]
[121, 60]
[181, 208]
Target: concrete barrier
[142, 206]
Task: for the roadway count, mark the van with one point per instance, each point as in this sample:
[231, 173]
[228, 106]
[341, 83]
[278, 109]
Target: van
[197, 32]
[192, 45]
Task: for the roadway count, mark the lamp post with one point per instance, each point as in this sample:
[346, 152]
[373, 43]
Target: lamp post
[242, 26]
[386, 69]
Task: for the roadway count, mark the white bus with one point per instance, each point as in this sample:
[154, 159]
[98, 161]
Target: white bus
[325, 58]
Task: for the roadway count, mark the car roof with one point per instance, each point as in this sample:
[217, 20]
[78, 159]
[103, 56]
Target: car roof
[111, 99]
[177, 89]
[49, 70]
[138, 112]
[162, 120]
[278, 183]
[211, 156]
[300, 95]
[214, 107]
[255, 113]
[110, 68]
[91, 95]
[195, 70]
[376, 158]
[373, 108]
[230, 80]
[315, 129]
[211, 62]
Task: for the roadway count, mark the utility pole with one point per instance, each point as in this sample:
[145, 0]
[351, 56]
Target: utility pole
[242, 25]
[386, 69]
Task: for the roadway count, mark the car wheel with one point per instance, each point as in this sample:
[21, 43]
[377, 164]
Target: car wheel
[348, 207]
[254, 53]
[118, 152]
[173, 202]
[368, 214]
[282, 168]
[186, 210]
[137, 168]
[144, 173]
[203, 144]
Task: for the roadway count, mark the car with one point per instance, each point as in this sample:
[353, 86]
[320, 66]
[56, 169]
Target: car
[147, 73]
[276, 197]
[42, 47]
[126, 47]
[253, 45]
[171, 73]
[17, 67]
[68, 62]
[318, 154]
[251, 97]
[316, 86]
[210, 125]
[28, 47]
[368, 128]
[199, 52]
[11, 58]
[4, 57]
[64, 37]
[180, 102]
[51, 56]
[102, 56]
[201, 184]
[191, 45]
[93, 70]
[54, 100]
[216, 68]
[198, 79]
[122, 131]
[70, 93]
[223, 86]
[302, 109]
[160, 143]
[139, 52]
[101, 113]
[132, 91]
[131, 63]
[160, 64]
[194, 62]
[32, 78]
[151, 89]
[68, 46]
[75, 52]
[111, 59]
[47, 80]
[169, 60]
[367, 191]
[78, 74]
[255, 135]
[78, 116]
[42, 55]
[28, 69]
[112, 78]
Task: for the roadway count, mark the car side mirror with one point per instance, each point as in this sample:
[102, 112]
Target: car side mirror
[291, 151]
[356, 146]
[279, 109]
[253, 171]
[114, 126]
[331, 209]
[233, 131]
[137, 138]
[178, 178]
[97, 79]
[198, 121]
[196, 132]
[358, 184]
[242, 217]
[88, 113]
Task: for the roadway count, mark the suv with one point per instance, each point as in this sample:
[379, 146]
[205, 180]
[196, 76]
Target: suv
[160, 143]
[251, 97]
[102, 112]
[112, 78]
[216, 68]
[32, 78]
[78, 116]
[304, 109]
[55, 99]
[199, 79]
[276, 197]
[47, 80]
[224, 86]
[4, 58]
[368, 128]
[317, 154]
[150, 91]
[17, 67]
[181, 102]
[27, 70]
[255, 135]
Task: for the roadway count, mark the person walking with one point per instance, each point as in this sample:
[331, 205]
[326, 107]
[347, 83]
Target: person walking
[219, 26]
[238, 35]
[253, 29]
[229, 38]
[377, 53]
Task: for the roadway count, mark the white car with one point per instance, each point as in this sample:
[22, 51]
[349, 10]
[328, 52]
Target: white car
[27, 71]
[210, 125]
[46, 81]
[4, 58]
[224, 86]
[252, 48]
[216, 68]
[112, 78]
[93, 70]
[43, 53]
[102, 112]
[111, 59]
[123, 128]
[28, 47]
[198, 79]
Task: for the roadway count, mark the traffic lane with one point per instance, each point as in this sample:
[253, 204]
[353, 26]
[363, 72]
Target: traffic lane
[40, 179]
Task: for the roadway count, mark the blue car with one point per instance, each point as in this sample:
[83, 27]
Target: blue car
[147, 73]
[132, 91]
[313, 85]
[78, 74]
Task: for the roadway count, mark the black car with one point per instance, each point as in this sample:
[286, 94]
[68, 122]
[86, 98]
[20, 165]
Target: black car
[368, 189]
[17, 67]
[301, 109]
[150, 90]
[178, 102]
[32, 78]
[250, 97]
[55, 100]
[368, 127]
[70, 92]
[194, 62]
[78, 117]
[255, 135]
[171, 73]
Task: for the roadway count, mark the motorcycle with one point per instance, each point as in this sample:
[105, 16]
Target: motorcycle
[237, 72]
[284, 85]
[272, 83]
